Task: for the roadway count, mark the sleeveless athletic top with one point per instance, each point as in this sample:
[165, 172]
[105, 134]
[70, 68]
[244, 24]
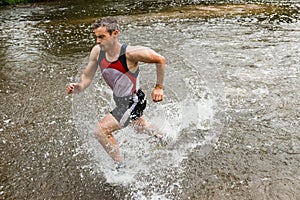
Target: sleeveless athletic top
[117, 75]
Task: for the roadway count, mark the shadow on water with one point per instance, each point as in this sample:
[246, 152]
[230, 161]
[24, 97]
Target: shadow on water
[232, 101]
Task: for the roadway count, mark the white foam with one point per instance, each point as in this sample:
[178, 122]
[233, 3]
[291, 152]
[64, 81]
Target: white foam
[186, 121]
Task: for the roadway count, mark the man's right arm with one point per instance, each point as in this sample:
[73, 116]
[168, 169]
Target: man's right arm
[88, 73]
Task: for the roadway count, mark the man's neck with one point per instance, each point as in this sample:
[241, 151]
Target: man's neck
[114, 51]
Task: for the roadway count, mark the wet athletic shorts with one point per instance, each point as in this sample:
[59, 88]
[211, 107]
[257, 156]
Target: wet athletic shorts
[129, 108]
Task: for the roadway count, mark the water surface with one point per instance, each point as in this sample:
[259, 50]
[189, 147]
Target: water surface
[231, 111]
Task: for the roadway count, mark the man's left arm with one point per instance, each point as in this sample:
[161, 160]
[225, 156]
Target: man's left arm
[157, 93]
[147, 55]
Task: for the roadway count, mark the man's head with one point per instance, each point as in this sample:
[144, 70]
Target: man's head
[111, 24]
[106, 31]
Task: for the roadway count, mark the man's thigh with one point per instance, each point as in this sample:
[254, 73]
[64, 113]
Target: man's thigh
[109, 124]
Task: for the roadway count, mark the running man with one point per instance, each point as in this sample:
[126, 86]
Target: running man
[119, 68]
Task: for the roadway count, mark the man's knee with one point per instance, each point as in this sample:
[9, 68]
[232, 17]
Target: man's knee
[102, 131]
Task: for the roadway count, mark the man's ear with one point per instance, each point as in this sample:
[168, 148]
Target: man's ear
[115, 33]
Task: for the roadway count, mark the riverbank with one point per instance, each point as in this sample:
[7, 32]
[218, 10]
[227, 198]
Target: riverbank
[277, 12]
[213, 11]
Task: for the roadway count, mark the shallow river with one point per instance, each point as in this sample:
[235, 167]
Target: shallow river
[230, 116]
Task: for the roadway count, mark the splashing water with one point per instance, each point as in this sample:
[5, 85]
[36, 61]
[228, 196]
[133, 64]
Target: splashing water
[185, 117]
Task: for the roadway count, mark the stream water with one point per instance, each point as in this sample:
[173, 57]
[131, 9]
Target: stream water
[230, 115]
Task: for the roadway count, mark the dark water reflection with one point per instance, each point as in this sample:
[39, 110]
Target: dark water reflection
[250, 64]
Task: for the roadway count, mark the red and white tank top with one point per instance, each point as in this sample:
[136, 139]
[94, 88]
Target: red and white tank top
[117, 75]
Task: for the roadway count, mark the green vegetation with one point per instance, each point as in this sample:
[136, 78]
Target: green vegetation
[11, 2]
[6, 2]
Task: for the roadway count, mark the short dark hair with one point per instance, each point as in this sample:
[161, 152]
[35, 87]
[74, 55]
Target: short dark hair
[110, 23]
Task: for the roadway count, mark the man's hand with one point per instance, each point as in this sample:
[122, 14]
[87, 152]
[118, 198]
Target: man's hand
[73, 88]
[157, 94]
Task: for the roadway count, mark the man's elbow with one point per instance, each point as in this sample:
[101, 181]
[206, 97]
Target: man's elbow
[162, 60]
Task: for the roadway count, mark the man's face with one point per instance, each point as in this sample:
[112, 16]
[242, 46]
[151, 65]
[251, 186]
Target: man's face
[104, 39]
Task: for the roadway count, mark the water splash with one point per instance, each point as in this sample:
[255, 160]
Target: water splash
[186, 117]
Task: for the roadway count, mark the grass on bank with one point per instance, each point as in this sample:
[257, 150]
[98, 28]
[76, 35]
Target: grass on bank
[11, 2]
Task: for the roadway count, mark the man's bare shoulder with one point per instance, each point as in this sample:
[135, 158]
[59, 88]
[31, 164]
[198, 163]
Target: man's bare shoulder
[95, 52]
[143, 54]
[133, 51]
[96, 49]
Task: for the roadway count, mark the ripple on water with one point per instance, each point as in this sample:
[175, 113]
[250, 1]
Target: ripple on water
[257, 156]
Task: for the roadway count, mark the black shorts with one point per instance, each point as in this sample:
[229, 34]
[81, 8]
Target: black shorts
[129, 108]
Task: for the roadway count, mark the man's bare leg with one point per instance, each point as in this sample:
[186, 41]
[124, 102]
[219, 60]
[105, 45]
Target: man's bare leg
[104, 135]
[142, 126]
